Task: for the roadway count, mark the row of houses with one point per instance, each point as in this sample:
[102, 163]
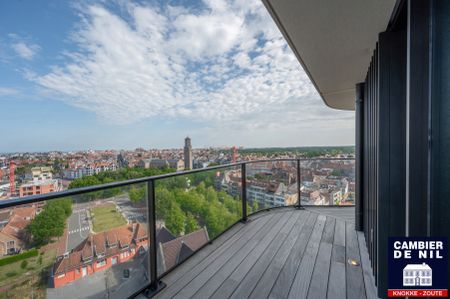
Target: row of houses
[271, 194]
[101, 251]
[86, 170]
[176, 164]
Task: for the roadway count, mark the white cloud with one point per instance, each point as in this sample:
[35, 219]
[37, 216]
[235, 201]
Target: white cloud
[225, 64]
[26, 51]
[7, 91]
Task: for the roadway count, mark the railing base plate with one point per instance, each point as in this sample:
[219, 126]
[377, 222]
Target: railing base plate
[152, 291]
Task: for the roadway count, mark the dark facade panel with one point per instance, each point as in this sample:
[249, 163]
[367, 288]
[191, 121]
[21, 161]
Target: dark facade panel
[418, 98]
[440, 127]
[391, 146]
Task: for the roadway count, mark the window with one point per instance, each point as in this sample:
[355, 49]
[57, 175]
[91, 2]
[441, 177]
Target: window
[101, 263]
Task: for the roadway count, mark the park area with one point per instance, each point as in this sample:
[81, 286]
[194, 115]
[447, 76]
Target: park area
[26, 275]
[105, 217]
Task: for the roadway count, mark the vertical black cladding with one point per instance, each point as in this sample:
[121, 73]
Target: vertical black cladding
[406, 131]
[440, 113]
[418, 117]
[359, 145]
[391, 170]
[369, 152]
[384, 150]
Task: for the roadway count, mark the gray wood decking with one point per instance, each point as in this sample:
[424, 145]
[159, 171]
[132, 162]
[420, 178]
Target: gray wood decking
[284, 253]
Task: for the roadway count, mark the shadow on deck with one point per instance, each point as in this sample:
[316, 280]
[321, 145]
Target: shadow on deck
[283, 253]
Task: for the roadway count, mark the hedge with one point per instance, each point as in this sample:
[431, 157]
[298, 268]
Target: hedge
[18, 257]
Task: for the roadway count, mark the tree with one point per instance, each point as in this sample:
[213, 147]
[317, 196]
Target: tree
[175, 219]
[191, 224]
[337, 172]
[136, 194]
[24, 264]
[51, 222]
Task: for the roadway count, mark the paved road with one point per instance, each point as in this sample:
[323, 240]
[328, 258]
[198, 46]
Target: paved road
[78, 224]
[78, 227]
[129, 211]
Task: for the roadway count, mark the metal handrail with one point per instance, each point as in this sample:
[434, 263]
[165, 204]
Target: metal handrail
[150, 181]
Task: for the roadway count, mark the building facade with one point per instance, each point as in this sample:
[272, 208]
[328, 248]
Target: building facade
[99, 252]
[38, 187]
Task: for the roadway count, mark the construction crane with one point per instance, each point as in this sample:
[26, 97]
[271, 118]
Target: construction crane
[235, 154]
[12, 185]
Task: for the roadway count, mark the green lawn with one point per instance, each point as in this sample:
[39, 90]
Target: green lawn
[105, 217]
[16, 281]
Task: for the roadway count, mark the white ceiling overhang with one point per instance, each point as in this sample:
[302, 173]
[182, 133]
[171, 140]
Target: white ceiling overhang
[333, 40]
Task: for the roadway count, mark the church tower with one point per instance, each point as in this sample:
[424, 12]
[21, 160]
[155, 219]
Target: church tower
[187, 154]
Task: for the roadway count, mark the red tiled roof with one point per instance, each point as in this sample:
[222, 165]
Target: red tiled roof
[172, 250]
[15, 227]
[124, 234]
[4, 215]
[24, 212]
[6, 237]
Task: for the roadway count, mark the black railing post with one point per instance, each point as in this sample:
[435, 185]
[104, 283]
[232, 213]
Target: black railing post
[244, 192]
[299, 192]
[152, 247]
[359, 160]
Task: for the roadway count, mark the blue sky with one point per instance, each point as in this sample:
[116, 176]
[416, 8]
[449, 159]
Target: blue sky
[126, 74]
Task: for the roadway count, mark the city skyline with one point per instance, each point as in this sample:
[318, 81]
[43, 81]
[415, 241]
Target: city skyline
[124, 75]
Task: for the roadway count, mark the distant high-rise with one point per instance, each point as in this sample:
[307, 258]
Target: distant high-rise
[187, 153]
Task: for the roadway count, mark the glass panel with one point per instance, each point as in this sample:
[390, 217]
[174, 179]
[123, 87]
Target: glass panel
[193, 209]
[327, 182]
[271, 184]
[89, 246]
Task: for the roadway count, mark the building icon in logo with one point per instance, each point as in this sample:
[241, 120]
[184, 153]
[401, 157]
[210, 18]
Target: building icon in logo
[417, 275]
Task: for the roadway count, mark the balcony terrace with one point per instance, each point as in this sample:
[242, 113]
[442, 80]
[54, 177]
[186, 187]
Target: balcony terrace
[235, 230]
[281, 253]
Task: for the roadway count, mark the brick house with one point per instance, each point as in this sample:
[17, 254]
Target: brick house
[13, 235]
[99, 252]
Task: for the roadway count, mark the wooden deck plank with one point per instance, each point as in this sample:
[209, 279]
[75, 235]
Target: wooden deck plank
[286, 276]
[267, 280]
[328, 231]
[342, 213]
[336, 280]
[197, 282]
[369, 281]
[319, 281]
[300, 286]
[280, 253]
[241, 262]
[241, 286]
[353, 274]
[339, 234]
[241, 238]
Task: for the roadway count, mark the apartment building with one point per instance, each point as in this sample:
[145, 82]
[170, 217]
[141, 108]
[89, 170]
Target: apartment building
[37, 174]
[38, 187]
